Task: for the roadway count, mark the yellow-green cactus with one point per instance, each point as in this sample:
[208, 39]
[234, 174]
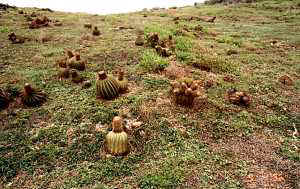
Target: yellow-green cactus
[107, 87]
[32, 97]
[117, 139]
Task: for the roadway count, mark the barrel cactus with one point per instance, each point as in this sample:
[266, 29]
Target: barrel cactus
[117, 139]
[123, 82]
[107, 87]
[4, 100]
[185, 91]
[32, 97]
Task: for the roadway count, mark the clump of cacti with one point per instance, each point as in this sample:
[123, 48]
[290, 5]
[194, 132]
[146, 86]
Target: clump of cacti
[238, 97]
[4, 100]
[32, 97]
[185, 91]
[117, 139]
[163, 47]
[123, 82]
[76, 63]
[107, 87]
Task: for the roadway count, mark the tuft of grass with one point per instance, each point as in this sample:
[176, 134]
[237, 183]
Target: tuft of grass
[152, 62]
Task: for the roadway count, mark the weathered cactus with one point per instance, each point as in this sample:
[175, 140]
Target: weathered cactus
[123, 82]
[117, 139]
[76, 63]
[32, 97]
[107, 87]
[185, 91]
[238, 97]
[76, 78]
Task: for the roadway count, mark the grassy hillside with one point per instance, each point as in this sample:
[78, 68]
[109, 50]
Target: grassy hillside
[250, 47]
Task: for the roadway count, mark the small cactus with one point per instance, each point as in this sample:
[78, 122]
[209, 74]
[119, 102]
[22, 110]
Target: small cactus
[117, 139]
[107, 87]
[4, 100]
[76, 63]
[185, 91]
[122, 82]
[32, 97]
[238, 97]
[96, 32]
[153, 40]
[76, 78]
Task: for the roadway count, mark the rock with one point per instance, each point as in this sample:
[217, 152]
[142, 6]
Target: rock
[231, 52]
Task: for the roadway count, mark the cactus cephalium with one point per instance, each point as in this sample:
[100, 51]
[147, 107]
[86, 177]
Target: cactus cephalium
[185, 91]
[4, 100]
[117, 139]
[32, 97]
[107, 87]
[123, 82]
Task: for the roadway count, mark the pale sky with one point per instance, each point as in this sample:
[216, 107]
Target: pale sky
[98, 6]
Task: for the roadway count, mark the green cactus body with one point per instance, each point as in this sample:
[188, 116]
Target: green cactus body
[32, 97]
[4, 101]
[117, 139]
[107, 87]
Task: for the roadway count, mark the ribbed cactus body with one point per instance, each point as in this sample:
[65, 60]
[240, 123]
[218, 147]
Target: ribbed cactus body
[107, 87]
[32, 97]
[117, 139]
[117, 143]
